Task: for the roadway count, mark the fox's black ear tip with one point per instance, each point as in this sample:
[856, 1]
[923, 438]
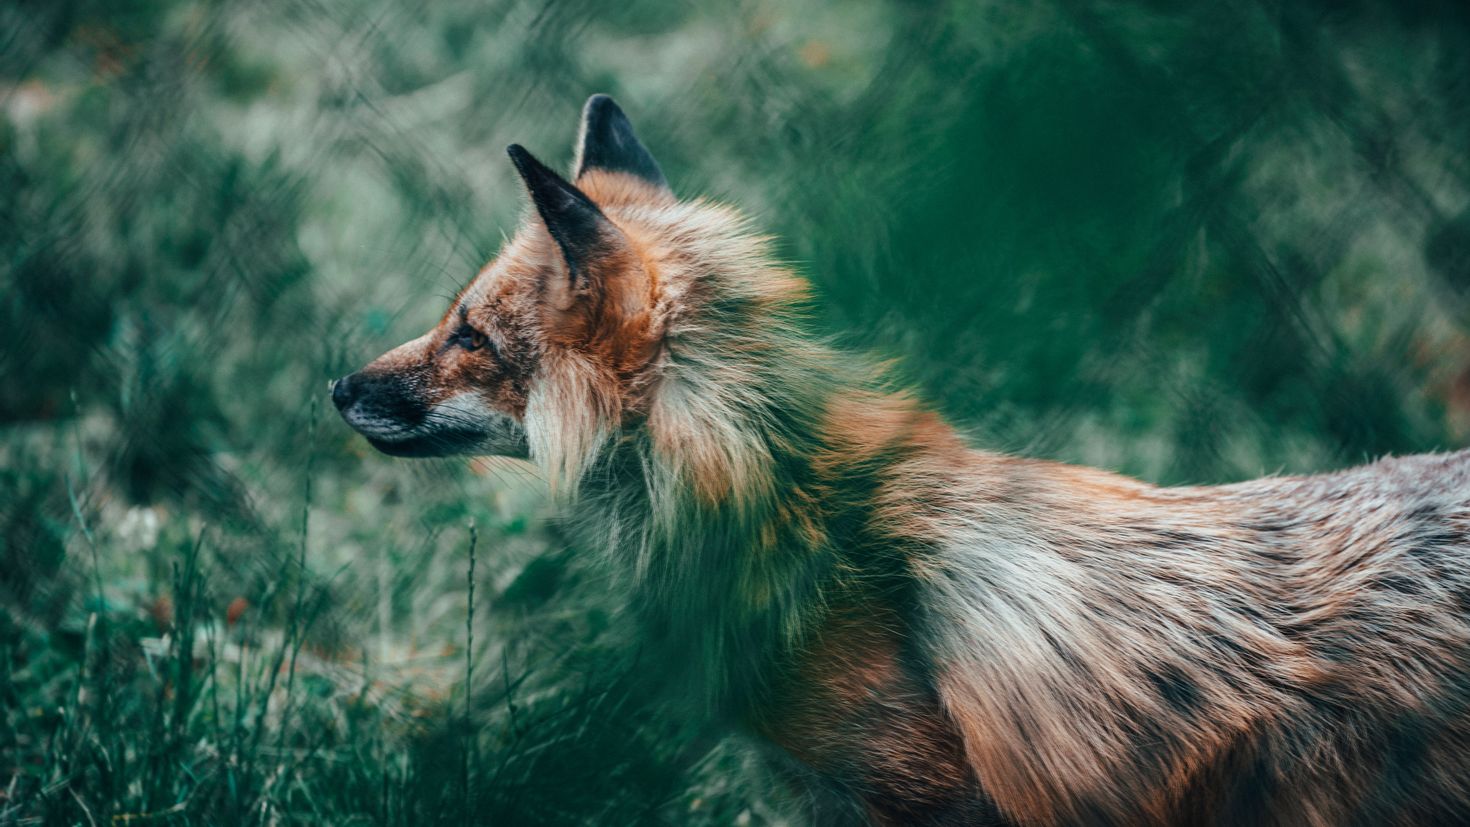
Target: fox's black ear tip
[602, 113]
[525, 163]
[600, 102]
[609, 142]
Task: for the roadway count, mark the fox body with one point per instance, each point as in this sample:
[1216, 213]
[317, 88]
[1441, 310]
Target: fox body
[927, 633]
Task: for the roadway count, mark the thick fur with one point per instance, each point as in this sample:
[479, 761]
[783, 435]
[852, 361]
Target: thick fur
[936, 634]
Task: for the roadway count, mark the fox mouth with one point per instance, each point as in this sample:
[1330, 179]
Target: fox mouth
[504, 437]
[438, 444]
[443, 431]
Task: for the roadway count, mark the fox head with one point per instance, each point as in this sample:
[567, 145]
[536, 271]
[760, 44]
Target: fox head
[600, 316]
[572, 291]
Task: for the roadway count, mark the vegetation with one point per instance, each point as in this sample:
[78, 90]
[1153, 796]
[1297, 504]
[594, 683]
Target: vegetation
[1192, 245]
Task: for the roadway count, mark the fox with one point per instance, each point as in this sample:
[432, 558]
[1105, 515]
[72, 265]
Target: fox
[919, 631]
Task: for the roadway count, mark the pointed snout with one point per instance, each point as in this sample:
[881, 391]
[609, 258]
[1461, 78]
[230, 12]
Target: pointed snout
[370, 398]
[390, 410]
[379, 404]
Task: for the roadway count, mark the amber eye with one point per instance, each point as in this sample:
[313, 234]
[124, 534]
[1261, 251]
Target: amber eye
[469, 338]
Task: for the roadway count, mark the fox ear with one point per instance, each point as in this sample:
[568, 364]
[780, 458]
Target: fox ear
[576, 224]
[607, 142]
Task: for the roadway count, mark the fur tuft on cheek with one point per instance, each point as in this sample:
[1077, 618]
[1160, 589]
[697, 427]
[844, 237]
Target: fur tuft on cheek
[572, 411]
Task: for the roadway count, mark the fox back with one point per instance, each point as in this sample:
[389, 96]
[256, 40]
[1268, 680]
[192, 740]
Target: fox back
[921, 632]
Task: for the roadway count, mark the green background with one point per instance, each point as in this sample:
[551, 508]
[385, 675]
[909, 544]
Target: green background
[1195, 243]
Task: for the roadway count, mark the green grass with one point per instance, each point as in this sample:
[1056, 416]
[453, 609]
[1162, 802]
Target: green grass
[189, 702]
[1191, 245]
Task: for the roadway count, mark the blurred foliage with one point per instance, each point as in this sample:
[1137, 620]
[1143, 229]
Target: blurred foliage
[1192, 243]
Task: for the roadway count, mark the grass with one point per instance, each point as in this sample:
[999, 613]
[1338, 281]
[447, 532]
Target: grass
[171, 711]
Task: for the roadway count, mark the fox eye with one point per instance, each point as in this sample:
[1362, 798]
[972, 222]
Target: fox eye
[469, 338]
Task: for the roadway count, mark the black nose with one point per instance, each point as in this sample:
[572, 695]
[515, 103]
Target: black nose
[343, 392]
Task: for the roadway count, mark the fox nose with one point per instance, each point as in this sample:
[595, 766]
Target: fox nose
[343, 392]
